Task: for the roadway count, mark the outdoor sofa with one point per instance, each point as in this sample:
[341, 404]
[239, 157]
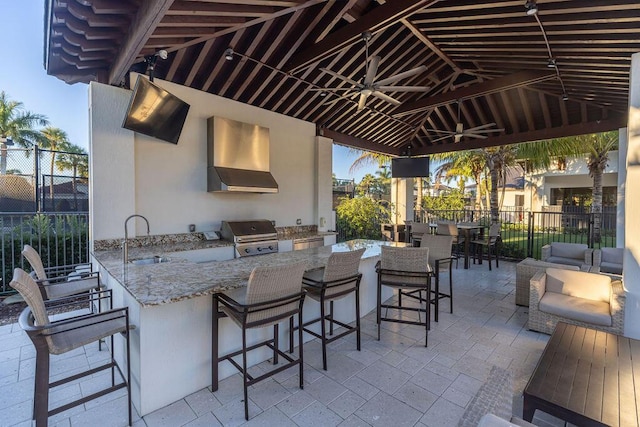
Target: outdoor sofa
[527, 268]
[576, 297]
[568, 253]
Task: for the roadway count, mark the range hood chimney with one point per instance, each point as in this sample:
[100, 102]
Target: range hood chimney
[238, 157]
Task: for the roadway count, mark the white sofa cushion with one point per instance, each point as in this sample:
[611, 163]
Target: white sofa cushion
[580, 309]
[564, 260]
[568, 250]
[611, 260]
[595, 287]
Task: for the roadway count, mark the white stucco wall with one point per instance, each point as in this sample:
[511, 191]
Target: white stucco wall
[133, 173]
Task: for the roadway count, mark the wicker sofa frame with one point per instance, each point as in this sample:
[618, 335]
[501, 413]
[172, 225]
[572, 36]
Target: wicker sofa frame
[545, 322]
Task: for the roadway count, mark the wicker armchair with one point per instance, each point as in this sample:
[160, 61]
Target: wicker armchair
[568, 253]
[584, 299]
[526, 269]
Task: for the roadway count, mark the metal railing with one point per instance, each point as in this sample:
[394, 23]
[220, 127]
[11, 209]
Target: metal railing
[60, 239]
[523, 233]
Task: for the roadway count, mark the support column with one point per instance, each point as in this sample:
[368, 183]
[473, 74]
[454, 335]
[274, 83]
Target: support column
[402, 199]
[622, 177]
[324, 183]
[631, 277]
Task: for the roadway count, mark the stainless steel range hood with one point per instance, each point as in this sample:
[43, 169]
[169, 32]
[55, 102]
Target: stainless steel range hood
[238, 157]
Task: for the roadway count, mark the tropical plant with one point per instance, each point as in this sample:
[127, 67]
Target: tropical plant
[448, 201]
[55, 139]
[368, 158]
[17, 125]
[361, 217]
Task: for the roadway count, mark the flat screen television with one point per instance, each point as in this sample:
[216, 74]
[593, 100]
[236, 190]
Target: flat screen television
[409, 167]
[155, 112]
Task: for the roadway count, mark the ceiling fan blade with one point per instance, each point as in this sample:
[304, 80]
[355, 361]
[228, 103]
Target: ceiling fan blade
[374, 62]
[330, 89]
[403, 88]
[385, 97]
[361, 102]
[474, 135]
[441, 138]
[338, 76]
[488, 125]
[402, 75]
[448, 132]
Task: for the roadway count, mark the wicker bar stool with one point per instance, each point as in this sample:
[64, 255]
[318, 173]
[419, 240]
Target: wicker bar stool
[440, 256]
[337, 280]
[61, 336]
[61, 281]
[273, 294]
[404, 269]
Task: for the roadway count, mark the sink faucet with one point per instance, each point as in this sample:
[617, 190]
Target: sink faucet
[125, 242]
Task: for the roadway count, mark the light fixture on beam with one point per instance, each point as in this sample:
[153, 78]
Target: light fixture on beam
[228, 54]
[551, 63]
[565, 97]
[152, 59]
[531, 7]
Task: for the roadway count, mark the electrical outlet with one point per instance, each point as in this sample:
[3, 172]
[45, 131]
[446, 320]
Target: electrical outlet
[298, 221]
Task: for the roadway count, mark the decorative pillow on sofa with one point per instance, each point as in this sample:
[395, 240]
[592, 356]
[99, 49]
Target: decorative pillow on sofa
[568, 250]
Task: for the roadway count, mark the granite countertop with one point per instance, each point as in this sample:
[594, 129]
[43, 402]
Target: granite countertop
[308, 234]
[180, 279]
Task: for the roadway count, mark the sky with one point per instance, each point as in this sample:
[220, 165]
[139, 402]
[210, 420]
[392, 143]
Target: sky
[22, 74]
[24, 79]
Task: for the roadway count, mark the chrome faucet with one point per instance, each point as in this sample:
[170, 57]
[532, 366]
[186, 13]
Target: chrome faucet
[125, 242]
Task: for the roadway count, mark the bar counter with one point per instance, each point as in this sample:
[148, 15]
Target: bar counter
[170, 307]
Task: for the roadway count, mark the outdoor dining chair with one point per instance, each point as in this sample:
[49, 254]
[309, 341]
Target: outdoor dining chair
[491, 242]
[272, 295]
[405, 269]
[62, 336]
[337, 280]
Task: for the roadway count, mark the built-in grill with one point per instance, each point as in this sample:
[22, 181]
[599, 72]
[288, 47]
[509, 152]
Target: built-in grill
[251, 237]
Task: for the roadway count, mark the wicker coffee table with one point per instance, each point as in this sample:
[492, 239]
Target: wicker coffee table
[586, 377]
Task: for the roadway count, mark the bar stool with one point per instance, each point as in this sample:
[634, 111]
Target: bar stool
[440, 256]
[337, 280]
[272, 295]
[61, 281]
[404, 269]
[61, 336]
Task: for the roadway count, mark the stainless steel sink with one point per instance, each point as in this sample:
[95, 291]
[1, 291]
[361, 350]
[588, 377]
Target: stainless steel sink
[152, 260]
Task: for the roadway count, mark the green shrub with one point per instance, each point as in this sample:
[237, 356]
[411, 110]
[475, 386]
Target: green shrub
[360, 217]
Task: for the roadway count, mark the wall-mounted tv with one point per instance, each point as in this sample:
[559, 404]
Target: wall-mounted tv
[155, 112]
[409, 167]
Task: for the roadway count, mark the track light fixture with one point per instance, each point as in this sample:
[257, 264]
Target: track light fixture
[323, 93]
[228, 54]
[565, 97]
[531, 7]
[151, 61]
[551, 63]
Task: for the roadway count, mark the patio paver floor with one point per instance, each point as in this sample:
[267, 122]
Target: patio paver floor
[395, 381]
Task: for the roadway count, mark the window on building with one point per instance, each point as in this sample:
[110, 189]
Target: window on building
[582, 196]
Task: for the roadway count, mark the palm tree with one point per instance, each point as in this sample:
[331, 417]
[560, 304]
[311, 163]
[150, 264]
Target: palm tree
[75, 158]
[17, 125]
[368, 158]
[55, 139]
[597, 147]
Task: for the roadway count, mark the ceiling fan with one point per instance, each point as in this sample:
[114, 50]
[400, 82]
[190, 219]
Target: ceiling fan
[460, 132]
[369, 86]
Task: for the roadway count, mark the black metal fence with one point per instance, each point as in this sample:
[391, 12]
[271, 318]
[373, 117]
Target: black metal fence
[29, 183]
[523, 232]
[44, 207]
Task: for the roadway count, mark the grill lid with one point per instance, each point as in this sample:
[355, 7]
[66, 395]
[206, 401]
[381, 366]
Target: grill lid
[231, 230]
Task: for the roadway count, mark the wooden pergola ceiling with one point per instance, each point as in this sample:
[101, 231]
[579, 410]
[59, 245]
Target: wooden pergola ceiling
[488, 58]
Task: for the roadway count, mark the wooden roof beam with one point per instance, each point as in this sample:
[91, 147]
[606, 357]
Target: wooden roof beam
[595, 126]
[149, 15]
[512, 81]
[378, 19]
